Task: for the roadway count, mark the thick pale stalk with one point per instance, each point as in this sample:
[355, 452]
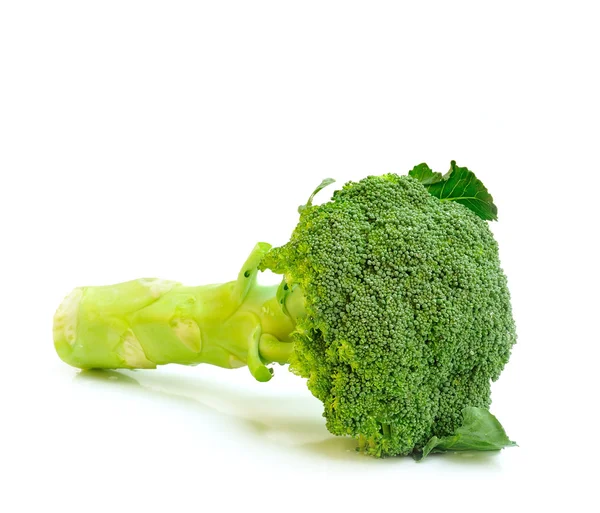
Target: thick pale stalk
[149, 322]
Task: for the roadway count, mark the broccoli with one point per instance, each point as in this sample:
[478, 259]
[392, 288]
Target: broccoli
[393, 306]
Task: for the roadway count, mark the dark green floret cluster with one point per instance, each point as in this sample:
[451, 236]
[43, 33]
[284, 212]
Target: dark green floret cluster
[406, 312]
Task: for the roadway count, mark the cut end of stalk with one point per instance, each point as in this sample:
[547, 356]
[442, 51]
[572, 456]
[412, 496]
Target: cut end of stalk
[65, 324]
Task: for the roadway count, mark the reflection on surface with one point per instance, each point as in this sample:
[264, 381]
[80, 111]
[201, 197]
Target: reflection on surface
[291, 420]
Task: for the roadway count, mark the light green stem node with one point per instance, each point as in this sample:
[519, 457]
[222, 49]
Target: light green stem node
[143, 323]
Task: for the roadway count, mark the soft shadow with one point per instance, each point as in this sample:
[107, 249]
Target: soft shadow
[482, 458]
[106, 376]
[276, 420]
[273, 419]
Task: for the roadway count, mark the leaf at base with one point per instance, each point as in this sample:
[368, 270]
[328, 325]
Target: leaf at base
[480, 431]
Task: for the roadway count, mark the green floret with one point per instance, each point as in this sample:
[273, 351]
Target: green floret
[407, 316]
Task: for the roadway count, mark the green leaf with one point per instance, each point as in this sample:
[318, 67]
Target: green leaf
[480, 431]
[322, 185]
[424, 174]
[460, 185]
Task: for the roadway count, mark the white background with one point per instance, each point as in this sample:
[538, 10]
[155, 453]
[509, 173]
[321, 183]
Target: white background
[165, 138]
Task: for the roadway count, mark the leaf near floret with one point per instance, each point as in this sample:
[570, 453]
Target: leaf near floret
[460, 185]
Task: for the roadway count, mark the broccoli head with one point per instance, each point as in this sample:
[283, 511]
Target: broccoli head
[404, 317]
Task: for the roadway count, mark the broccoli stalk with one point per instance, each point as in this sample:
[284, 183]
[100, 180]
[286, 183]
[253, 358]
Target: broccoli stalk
[147, 322]
[393, 306]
